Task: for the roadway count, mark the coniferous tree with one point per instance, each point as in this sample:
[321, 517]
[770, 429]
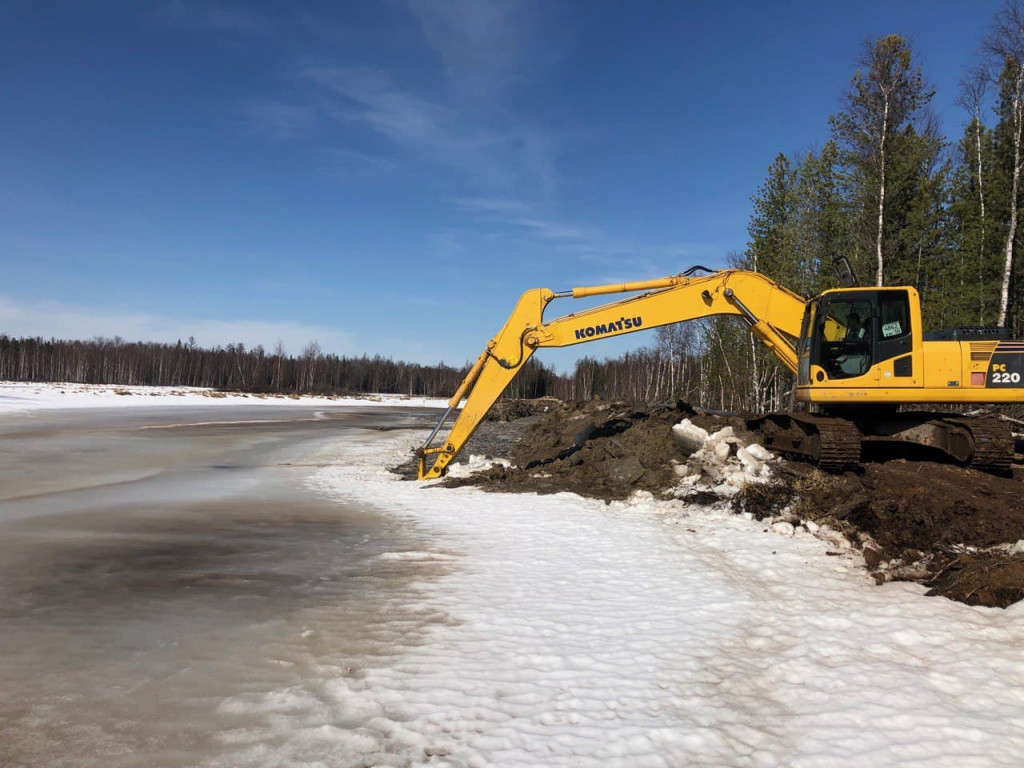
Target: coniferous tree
[1004, 49]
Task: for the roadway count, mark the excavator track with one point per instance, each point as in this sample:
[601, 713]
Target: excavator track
[993, 443]
[982, 443]
[840, 443]
[832, 444]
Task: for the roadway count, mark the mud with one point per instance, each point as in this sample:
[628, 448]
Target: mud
[948, 527]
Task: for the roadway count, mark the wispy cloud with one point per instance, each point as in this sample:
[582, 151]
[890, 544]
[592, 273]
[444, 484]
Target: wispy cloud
[523, 215]
[351, 163]
[493, 205]
[370, 96]
[505, 158]
[67, 321]
[585, 244]
[481, 42]
[217, 17]
[279, 120]
[464, 118]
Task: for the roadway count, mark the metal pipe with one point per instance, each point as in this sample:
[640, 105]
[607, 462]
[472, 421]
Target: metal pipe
[646, 285]
[749, 316]
[444, 417]
[469, 381]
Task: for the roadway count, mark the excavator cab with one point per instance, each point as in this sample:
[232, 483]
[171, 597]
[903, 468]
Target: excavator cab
[847, 332]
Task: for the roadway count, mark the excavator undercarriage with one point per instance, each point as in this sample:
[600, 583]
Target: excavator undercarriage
[837, 443]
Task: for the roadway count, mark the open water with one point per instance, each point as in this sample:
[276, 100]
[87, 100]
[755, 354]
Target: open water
[155, 563]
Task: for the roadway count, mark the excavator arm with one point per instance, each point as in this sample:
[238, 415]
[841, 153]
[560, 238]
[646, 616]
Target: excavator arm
[772, 313]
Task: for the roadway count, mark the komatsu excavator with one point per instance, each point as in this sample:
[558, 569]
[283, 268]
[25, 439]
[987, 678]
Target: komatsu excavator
[858, 353]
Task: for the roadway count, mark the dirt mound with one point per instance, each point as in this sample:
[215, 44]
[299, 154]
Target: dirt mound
[604, 450]
[510, 410]
[948, 527]
[945, 526]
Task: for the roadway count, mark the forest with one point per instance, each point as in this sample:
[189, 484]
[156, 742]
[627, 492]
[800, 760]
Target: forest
[887, 188]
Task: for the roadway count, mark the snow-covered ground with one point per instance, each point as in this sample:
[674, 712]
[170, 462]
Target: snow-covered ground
[20, 396]
[646, 634]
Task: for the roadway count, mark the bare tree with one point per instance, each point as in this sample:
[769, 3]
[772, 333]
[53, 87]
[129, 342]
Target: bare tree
[971, 98]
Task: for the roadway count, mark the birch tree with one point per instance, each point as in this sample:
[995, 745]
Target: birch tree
[971, 98]
[886, 95]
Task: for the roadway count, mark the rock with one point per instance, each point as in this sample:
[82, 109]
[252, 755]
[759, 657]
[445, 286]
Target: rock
[626, 470]
[872, 557]
[856, 503]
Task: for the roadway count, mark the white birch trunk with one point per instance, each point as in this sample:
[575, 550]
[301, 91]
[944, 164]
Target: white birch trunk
[881, 193]
[1018, 118]
[981, 202]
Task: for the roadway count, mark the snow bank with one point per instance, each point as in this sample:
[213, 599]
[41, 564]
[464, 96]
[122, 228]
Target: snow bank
[573, 633]
[20, 396]
[475, 463]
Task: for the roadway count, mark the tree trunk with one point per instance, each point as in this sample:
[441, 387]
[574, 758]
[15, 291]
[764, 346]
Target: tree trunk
[881, 192]
[981, 202]
[1018, 118]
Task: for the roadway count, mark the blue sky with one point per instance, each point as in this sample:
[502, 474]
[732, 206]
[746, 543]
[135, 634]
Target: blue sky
[387, 177]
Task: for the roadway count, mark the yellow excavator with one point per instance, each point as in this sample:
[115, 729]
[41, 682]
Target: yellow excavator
[858, 353]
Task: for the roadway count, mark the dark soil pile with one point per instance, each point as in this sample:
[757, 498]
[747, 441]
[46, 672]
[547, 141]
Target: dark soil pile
[604, 450]
[914, 520]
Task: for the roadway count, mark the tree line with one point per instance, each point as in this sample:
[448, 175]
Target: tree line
[119, 362]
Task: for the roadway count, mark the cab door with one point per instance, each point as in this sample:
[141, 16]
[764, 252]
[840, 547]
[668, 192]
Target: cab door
[844, 349]
[805, 344]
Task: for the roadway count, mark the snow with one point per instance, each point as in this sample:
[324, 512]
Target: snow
[644, 633]
[20, 397]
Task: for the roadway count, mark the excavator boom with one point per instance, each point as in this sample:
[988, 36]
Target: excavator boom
[772, 313]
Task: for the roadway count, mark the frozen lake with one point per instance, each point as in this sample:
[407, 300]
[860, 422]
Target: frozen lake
[155, 562]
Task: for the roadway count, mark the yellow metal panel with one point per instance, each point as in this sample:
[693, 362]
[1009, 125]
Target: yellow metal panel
[943, 364]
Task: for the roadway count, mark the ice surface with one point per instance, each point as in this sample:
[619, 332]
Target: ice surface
[155, 561]
[647, 633]
[22, 396]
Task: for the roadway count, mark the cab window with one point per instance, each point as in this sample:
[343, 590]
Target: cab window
[846, 338]
[894, 329]
[895, 312]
